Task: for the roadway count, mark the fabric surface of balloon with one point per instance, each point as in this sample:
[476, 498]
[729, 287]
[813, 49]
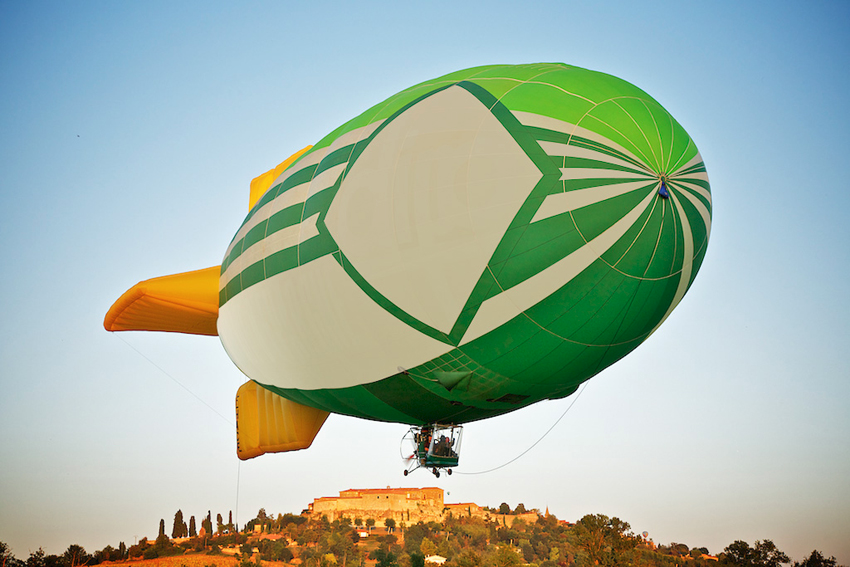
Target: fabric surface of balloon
[472, 245]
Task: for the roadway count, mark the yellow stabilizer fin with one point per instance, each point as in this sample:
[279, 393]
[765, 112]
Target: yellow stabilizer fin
[268, 423]
[261, 183]
[182, 303]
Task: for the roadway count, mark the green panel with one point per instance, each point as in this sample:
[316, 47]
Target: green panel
[626, 244]
[612, 121]
[661, 259]
[253, 274]
[632, 253]
[281, 261]
[595, 219]
[285, 218]
[255, 234]
[548, 101]
[544, 243]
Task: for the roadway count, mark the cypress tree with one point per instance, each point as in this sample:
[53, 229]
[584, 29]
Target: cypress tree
[177, 530]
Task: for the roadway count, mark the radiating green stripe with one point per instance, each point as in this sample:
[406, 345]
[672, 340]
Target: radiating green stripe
[580, 163]
[696, 168]
[546, 135]
[705, 201]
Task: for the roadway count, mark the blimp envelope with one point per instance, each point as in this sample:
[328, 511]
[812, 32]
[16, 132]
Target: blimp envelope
[474, 244]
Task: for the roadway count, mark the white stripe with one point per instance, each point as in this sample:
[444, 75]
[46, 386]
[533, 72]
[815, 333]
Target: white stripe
[687, 262]
[291, 196]
[702, 210]
[692, 162]
[500, 309]
[312, 158]
[275, 242]
[696, 189]
[571, 200]
[354, 136]
[540, 121]
[558, 149]
[596, 173]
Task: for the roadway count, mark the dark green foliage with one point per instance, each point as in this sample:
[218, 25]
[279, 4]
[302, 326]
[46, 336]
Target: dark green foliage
[75, 556]
[206, 524]
[762, 554]
[36, 558]
[605, 540]
[465, 541]
[274, 550]
[816, 559]
[384, 557]
[177, 528]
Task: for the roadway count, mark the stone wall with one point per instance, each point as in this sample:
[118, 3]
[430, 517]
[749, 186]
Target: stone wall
[408, 505]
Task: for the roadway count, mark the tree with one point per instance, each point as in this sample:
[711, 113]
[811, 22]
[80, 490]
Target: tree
[36, 558]
[506, 557]
[193, 530]
[390, 524]
[604, 539]
[75, 555]
[816, 559]
[206, 525]
[370, 522]
[5, 554]
[177, 529]
[763, 554]
[520, 509]
[428, 547]
[219, 523]
[161, 528]
[504, 508]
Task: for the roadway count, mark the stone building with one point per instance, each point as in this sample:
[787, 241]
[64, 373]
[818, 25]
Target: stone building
[408, 505]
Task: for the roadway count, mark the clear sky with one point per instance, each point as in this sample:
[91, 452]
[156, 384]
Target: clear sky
[129, 132]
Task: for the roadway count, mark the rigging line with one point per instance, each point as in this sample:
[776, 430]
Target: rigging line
[583, 386]
[238, 473]
[155, 365]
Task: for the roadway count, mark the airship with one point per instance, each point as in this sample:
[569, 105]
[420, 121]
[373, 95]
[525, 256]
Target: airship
[468, 247]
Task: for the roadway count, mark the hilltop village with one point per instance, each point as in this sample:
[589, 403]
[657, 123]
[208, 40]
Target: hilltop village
[409, 527]
[408, 505]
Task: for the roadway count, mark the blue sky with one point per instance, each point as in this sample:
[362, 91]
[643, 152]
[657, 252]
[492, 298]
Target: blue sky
[129, 133]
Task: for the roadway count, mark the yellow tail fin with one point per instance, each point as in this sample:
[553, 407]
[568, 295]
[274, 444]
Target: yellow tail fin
[182, 303]
[268, 423]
